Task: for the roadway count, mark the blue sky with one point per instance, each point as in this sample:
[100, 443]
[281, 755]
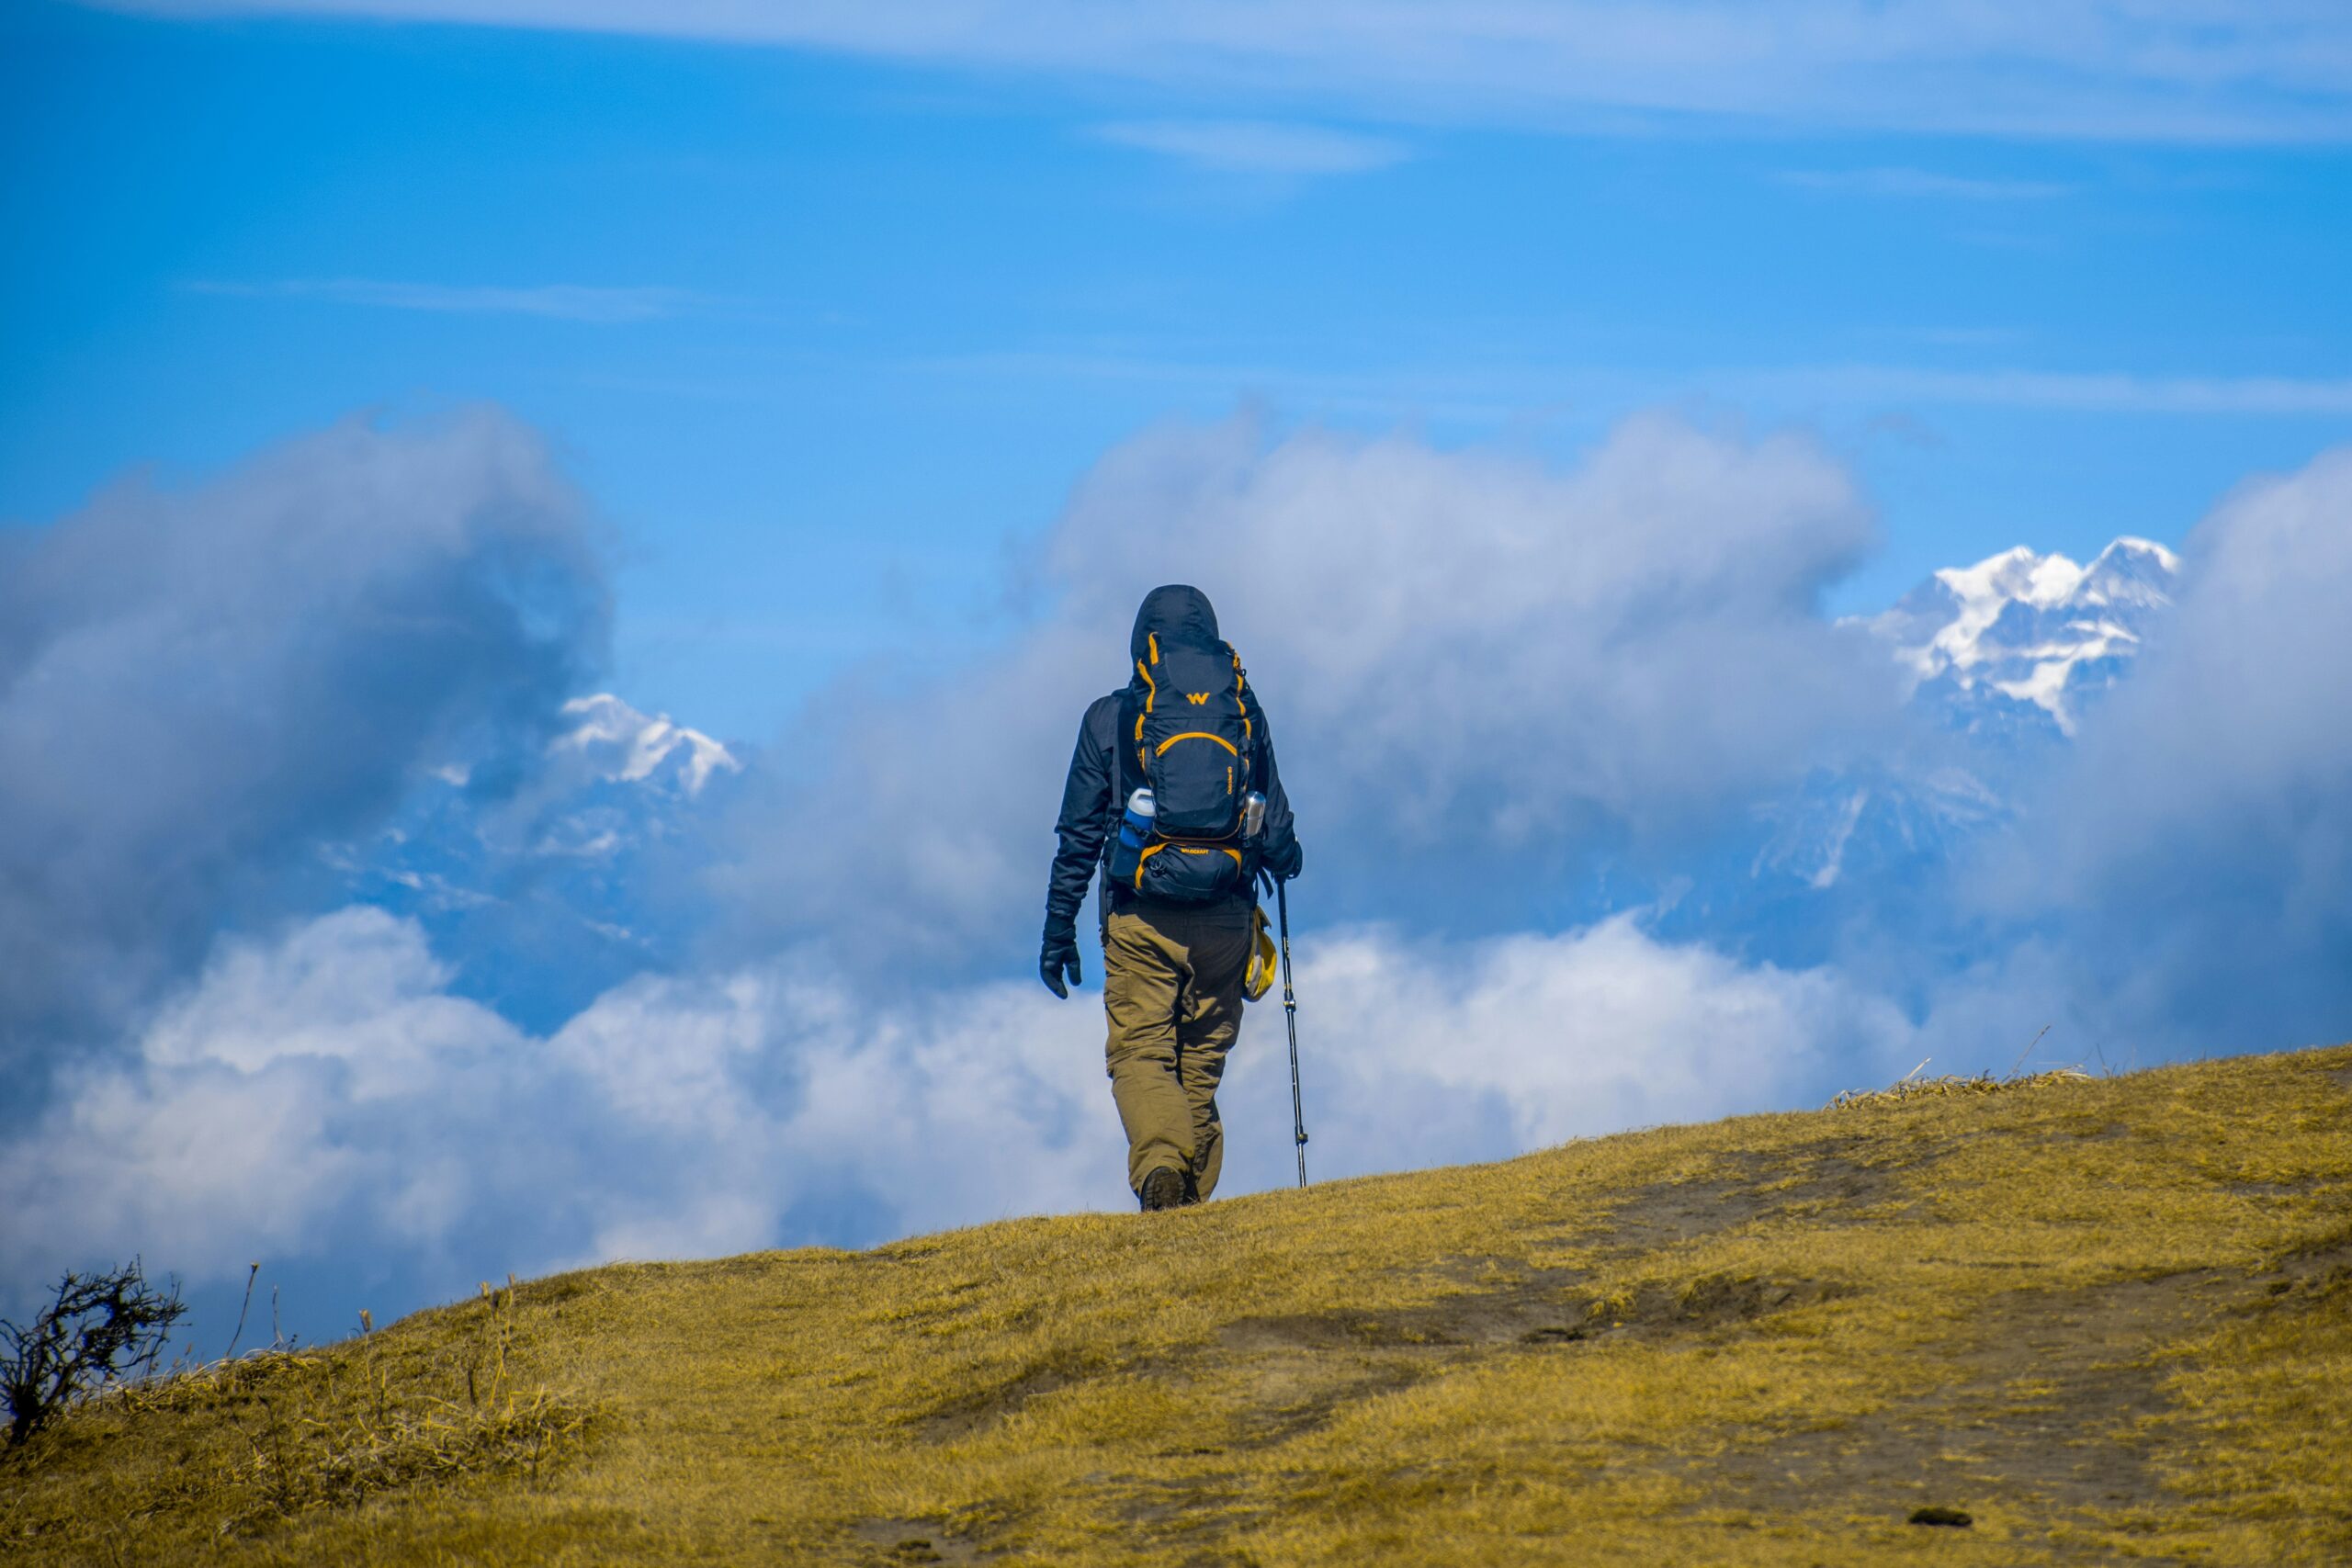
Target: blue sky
[822, 332]
[508, 506]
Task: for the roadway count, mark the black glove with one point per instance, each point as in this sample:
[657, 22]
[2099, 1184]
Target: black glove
[1282, 862]
[1061, 953]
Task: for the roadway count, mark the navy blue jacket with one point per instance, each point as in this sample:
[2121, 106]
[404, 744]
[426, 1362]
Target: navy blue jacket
[1090, 801]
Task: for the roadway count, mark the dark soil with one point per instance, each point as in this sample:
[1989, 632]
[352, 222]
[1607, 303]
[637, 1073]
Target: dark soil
[2040, 1413]
[1828, 1185]
[966, 1416]
[904, 1543]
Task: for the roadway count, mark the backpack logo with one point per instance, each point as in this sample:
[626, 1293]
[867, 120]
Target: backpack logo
[1197, 699]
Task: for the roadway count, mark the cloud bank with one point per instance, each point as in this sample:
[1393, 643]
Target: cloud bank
[2200, 834]
[1496, 685]
[324, 1088]
[197, 687]
[1463, 655]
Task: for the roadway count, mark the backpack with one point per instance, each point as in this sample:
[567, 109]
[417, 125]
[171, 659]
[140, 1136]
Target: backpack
[1189, 737]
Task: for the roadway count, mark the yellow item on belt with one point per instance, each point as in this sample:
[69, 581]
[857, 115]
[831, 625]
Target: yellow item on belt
[1264, 958]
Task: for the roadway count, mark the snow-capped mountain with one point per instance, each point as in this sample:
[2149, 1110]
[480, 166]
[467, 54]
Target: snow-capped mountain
[557, 881]
[2019, 631]
[622, 745]
[2006, 654]
[617, 777]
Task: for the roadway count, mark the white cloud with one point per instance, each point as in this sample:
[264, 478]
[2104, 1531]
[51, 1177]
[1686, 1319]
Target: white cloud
[298, 1077]
[1632, 635]
[1420, 1054]
[559, 302]
[699, 1114]
[705, 1032]
[2234, 723]
[200, 685]
[1463, 652]
[356, 988]
[2179, 69]
[2198, 843]
[1258, 146]
[323, 1096]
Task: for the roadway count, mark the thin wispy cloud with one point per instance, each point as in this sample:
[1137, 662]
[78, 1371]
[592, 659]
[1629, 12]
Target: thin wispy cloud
[1498, 391]
[1258, 146]
[555, 301]
[2089, 393]
[2182, 69]
[1920, 183]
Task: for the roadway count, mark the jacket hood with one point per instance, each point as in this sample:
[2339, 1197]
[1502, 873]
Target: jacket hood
[1177, 613]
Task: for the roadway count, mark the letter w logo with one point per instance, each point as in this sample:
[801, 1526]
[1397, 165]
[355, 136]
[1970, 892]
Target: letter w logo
[1198, 699]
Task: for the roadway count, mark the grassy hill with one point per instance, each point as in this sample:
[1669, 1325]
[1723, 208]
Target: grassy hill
[2108, 1320]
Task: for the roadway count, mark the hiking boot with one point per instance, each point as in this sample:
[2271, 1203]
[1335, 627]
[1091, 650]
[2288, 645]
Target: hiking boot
[1163, 1189]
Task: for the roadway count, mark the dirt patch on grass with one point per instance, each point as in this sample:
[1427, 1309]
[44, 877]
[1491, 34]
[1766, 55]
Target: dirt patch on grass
[1194, 1514]
[1827, 1181]
[1710, 1301]
[1531, 1311]
[977, 1412]
[1675, 1212]
[1499, 1314]
[2314, 1271]
[1290, 1393]
[1302, 1369]
[2043, 1413]
[903, 1543]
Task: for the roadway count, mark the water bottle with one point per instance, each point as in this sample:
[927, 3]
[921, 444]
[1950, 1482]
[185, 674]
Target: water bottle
[1254, 815]
[1134, 828]
[1134, 832]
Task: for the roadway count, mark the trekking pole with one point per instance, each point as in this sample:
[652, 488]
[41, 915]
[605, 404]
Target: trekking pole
[1290, 1017]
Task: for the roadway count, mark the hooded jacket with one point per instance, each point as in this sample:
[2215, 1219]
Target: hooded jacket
[1091, 806]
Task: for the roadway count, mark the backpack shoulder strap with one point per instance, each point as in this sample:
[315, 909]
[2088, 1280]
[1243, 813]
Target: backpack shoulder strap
[1127, 767]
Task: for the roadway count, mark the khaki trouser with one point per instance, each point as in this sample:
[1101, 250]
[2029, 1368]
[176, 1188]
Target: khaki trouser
[1172, 986]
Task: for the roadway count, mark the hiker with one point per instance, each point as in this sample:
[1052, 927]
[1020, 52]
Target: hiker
[1172, 792]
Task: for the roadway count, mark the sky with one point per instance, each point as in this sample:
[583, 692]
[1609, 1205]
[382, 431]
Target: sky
[827, 331]
[1561, 382]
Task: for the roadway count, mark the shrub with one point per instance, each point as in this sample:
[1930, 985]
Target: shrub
[99, 1328]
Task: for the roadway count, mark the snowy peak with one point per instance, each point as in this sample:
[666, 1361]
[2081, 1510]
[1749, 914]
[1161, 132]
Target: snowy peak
[2021, 627]
[2138, 572]
[544, 879]
[622, 745]
[2014, 574]
[2010, 651]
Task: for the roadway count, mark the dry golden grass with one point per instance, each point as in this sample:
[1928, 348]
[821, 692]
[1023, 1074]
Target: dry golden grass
[2109, 1319]
[1916, 1088]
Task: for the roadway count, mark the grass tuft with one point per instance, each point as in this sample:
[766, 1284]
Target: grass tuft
[1950, 1084]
